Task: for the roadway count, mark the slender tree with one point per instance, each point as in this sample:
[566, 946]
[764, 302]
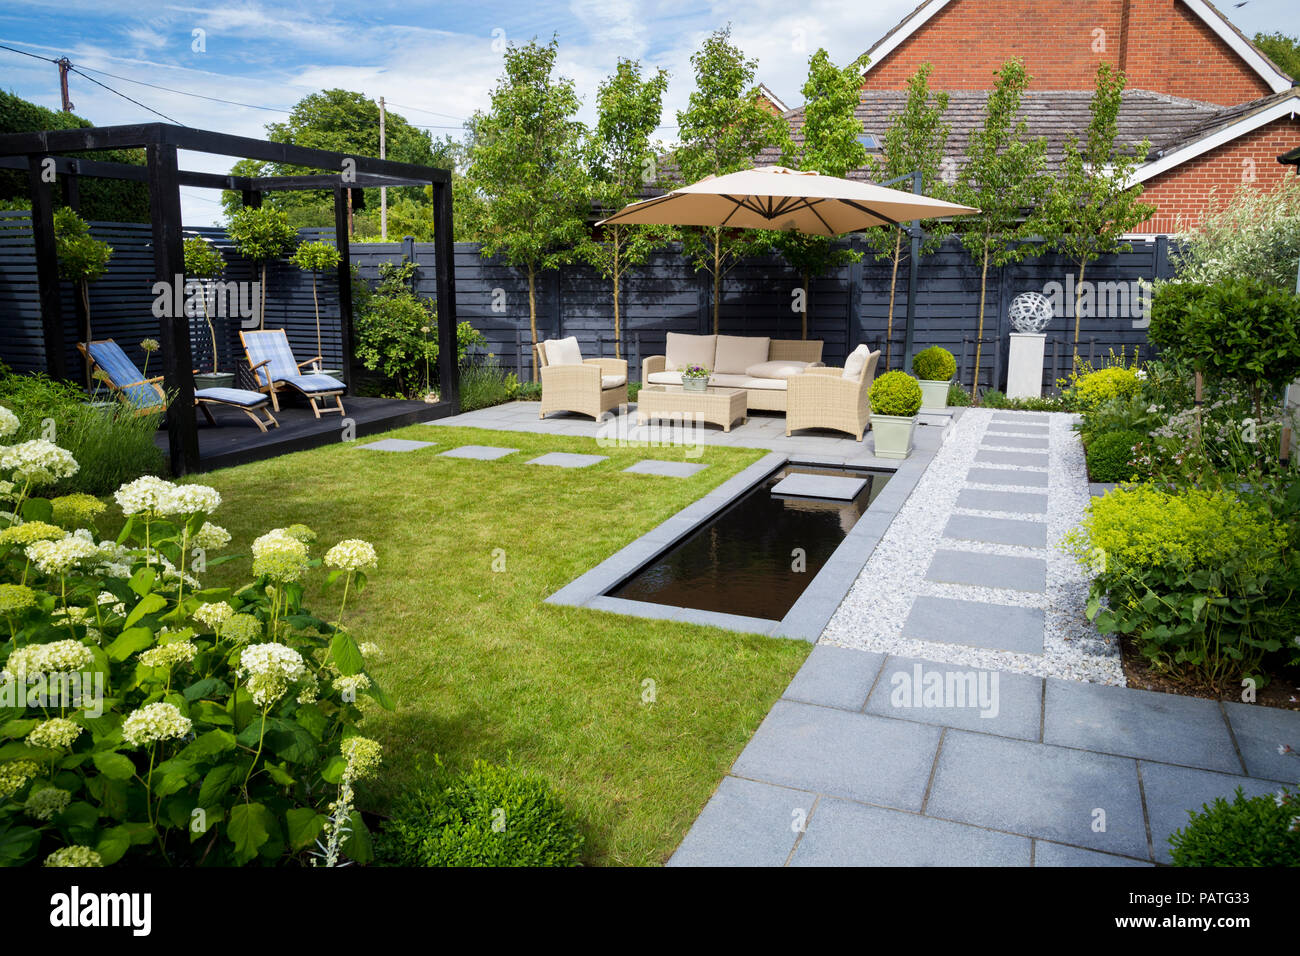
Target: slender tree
[525, 160]
[316, 257]
[622, 163]
[832, 146]
[262, 234]
[82, 260]
[915, 142]
[1003, 178]
[1094, 202]
[203, 261]
[722, 128]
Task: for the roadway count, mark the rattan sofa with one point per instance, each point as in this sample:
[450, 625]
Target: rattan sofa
[571, 383]
[825, 398]
[761, 366]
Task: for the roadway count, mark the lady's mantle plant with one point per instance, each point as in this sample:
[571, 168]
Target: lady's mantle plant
[147, 719]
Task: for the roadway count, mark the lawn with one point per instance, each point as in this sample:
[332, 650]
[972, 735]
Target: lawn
[480, 667]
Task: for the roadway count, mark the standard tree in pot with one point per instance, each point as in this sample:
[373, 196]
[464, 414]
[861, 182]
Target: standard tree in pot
[935, 367]
[895, 400]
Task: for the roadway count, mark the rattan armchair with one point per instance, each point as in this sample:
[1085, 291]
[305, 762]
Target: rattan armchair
[823, 398]
[593, 388]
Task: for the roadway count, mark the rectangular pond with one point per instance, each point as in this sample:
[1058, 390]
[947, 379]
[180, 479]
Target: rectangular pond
[758, 555]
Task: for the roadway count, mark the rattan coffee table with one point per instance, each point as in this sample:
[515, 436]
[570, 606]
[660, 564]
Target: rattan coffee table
[721, 406]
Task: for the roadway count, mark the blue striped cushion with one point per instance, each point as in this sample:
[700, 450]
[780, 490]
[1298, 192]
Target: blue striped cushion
[271, 344]
[123, 373]
[232, 396]
[314, 383]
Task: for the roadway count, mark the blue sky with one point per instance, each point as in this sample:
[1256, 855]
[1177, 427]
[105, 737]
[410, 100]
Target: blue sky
[435, 62]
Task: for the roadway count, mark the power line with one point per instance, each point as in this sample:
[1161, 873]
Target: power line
[201, 96]
[73, 69]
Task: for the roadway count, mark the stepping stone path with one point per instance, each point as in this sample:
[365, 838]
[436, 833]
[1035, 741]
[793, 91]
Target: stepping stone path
[478, 452]
[668, 469]
[397, 444]
[564, 459]
[819, 486]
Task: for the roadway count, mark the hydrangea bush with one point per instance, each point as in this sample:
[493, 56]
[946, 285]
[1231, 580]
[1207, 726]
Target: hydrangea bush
[148, 719]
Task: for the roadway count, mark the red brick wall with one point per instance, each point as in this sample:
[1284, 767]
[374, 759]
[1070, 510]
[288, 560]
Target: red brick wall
[1182, 195]
[1161, 44]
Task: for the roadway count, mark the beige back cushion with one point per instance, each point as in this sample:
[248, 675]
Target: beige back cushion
[800, 350]
[856, 363]
[736, 353]
[683, 350]
[562, 351]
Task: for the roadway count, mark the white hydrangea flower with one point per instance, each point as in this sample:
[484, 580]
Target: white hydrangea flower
[352, 555]
[144, 496]
[371, 651]
[269, 670]
[114, 605]
[363, 757]
[38, 461]
[176, 654]
[213, 616]
[352, 685]
[14, 774]
[188, 499]
[155, 722]
[74, 856]
[279, 556]
[60, 557]
[59, 656]
[211, 537]
[57, 733]
[47, 803]
[8, 422]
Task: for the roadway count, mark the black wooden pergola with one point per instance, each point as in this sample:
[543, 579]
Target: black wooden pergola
[347, 174]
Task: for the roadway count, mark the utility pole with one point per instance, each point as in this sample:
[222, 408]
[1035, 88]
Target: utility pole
[383, 190]
[64, 64]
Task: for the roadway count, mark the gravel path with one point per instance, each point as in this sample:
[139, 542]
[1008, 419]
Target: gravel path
[871, 616]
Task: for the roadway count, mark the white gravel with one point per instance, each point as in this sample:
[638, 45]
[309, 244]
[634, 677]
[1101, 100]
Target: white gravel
[872, 614]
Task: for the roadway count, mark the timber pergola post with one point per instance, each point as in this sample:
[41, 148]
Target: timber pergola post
[346, 175]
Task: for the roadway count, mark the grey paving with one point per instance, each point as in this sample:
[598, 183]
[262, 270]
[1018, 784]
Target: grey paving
[1012, 531]
[1139, 723]
[564, 459]
[1020, 418]
[1058, 854]
[850, 834]
[1040, 790]
[953, 695]
[988, 570]
[1016, 428]
[479, 452]
[1013, 502]
[1015, 441]
[835, 677]
[1173, 791]
[1023, 459]
[819, 486]
[1007, 476]
[1001, 627]
[397, 444]
[1259, 732]
[668, 469]
[1099, 489]
[855, 756]
[744, 824]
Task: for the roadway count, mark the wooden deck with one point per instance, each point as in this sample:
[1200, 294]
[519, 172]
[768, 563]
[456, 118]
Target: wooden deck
[236, 441]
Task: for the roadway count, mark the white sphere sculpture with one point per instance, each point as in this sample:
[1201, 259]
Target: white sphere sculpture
[1030, 312]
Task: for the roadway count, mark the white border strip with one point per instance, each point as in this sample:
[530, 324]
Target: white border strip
[894, 42]
[1276, 81]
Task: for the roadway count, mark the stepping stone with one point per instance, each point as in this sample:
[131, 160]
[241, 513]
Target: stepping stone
[1058, 854]
[835, 677]
[1009, 428]
[818, 486]
[564, 459]
[1013, 502]
[478, 452]
[1024, 459]
[1039, 790]
[1018, 418]
[1139, 723]
[998, 627]
[1016, 441]
[397, 444]
[855, 756]
[988, 570]
[1100, 489]
[1259, 731]
[744, 824]
[849, 834]
[960, 696]
[1172, 791]
[1012, 531]
[669, 469]
[1007, 476]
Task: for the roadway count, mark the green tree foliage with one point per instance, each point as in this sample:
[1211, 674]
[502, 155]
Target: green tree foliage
[1093, 201]
[830, 146]
[1255, 235]
[82, 260]
[1003, 178]
[915, 142]
[526, 162]
[262, 235]
[1283, 50]
[722, 128]
[316, 257]
[102, 200]
[622, 162]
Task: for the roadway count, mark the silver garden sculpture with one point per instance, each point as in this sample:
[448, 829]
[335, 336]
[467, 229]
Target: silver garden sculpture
[1030, 312]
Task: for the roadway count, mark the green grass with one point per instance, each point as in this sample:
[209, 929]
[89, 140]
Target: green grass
[480, 667]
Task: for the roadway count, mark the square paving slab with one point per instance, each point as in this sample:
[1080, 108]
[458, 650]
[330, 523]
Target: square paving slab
[1017, 428]
[397, 444]
[668, 469]
[1013, 531]
[564, 459]
[988, 570]
[1058, 854]
[1172, 791]
[1039, 790]
[955, 695]
[1259, 732]
[1015, 441]
[1000, 627]
[1024, 459]
[849, 834]
[1007, 476]
[744, 824]
[478, 452]
[818, 486]
[855, 756]
[835, 677]
[1029, 418]
[1013, 502]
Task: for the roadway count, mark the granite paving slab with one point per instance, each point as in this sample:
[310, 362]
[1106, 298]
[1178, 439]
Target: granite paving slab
[478, 452]
[1058, 854]
[1259, 732]
[396, 444]
[1011, 531]
[1012, 502]
[1015, 441]
[1007, 476]
[667, 469]
[818, 486]
[952, 695]
[1023, 459]
[1002, 627]
[745, 823]
[835, 677]
[1173, 791]
[988, 570]
[564, 459]
[1016, 428]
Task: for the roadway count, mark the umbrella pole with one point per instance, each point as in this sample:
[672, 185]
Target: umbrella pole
[914, 231]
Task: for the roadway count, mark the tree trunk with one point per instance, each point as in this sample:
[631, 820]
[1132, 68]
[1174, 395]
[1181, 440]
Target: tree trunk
[717, 276]
[316, 303]
[979, 333]
[261, 310]
[893, 284]
[1078, 296]
[212, 329]
[85, 304]
[807, 285]
[618, 331]
[532, 313]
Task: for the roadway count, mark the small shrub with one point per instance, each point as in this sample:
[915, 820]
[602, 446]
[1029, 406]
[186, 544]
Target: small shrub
[958, 397]
[485, 385]
[1249, 831]
[489, 816]
[895, 393]
[1111, 455]
[934, 364]
[1105, 384]
[994, 398]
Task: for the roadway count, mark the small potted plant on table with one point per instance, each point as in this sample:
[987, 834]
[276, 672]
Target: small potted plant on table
[935, 368]
[895, 400]
[695, 378]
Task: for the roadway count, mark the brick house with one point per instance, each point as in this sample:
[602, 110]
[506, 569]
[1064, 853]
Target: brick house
[1216, 111]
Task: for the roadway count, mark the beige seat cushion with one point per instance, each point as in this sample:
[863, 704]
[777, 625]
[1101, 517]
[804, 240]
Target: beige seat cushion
[683, 350]
[612, 381]
[665, 378]
[728, 380]
[766, 384]
[562, 351]
[856, 362]
[779, 368]
[736, 353]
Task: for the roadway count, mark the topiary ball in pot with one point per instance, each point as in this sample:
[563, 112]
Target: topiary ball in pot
[895, 400]
[935, 367]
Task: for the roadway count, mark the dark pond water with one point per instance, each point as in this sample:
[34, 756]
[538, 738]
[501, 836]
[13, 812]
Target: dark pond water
[744, 560]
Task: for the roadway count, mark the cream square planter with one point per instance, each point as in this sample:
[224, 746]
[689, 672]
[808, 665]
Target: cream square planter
[934, 395]
[893, 435]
